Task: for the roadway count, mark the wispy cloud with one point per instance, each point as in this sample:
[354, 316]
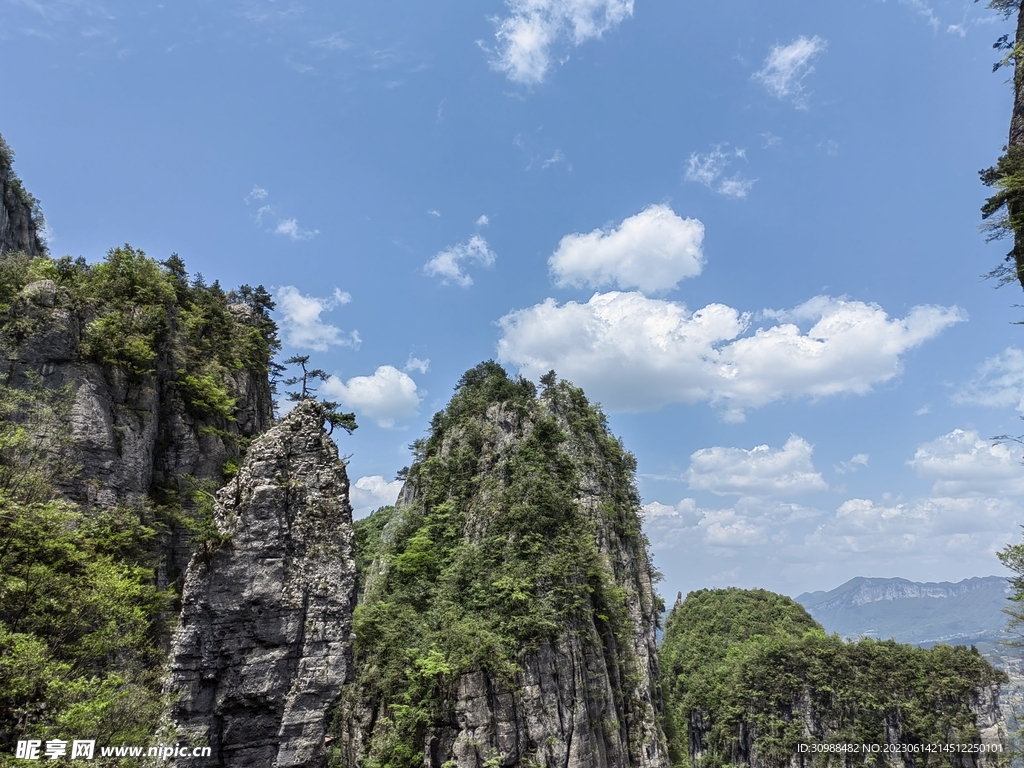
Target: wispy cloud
[415, 364]
[856, 462]
[265, 215]
[291, 228]
[333, 42]
[527, 36]
[707, 168]
[923, 10]
[999, 382]
[258, 193]
[555, 159]
[449, 263]
[787, 66]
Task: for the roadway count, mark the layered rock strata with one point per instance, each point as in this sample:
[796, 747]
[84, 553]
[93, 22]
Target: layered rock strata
[264, 645]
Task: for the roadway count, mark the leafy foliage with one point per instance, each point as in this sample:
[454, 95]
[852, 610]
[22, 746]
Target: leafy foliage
[21, 195]
[1004, 211]
[142, 315]
[78, 609]
[495, 557]
[80, 617]
[751, 661]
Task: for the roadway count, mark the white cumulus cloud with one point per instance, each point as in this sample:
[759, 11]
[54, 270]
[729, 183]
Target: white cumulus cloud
[371, 492]
[761, 471]
[635, 353]
[302, 324]
[526, 37]
[652, 251]
[999, 382]
[449, 263]
[964, 465]
[787, 66]
[389, 395]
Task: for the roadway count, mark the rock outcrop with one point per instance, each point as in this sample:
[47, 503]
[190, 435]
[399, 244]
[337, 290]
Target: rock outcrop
[20, 218]
[264, 643]
[129, 438]
[516, 584]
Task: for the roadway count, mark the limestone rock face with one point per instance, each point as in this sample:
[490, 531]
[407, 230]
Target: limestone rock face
[18, 212]
[128, 436]
[264, 644]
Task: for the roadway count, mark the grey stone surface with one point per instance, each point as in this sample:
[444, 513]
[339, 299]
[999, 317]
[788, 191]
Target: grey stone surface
[18, 225]
[129, 436]
[264, 643]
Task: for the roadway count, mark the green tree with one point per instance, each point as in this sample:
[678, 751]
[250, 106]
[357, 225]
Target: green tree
[333, 416]
[1012, 556]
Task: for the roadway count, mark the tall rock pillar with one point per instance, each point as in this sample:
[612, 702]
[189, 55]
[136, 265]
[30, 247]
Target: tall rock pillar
[264, 643]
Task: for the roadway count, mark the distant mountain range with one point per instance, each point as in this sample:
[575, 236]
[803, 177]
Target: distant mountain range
[961, 613]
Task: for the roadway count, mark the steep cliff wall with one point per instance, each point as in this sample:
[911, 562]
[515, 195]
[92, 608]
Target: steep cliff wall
[751, 678]
[509, 618]
[264, 643]
[166, 379]
[20, 217]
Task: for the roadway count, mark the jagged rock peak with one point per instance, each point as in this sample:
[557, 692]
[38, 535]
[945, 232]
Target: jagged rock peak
[264, 647]
[509, 619]
[21, 219]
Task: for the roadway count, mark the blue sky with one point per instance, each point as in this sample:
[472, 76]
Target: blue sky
[749, 229]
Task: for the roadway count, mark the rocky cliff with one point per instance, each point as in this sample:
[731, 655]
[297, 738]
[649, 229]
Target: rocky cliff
[21, 221]
[509, 617]
[162, 382]
[264, 643]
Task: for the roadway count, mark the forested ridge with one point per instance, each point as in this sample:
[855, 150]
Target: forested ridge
[748, 676]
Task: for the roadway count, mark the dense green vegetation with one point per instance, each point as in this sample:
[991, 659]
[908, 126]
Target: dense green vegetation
[493, 558]
[81, 620]
[732, 657]
[79, 611]
[141, 313]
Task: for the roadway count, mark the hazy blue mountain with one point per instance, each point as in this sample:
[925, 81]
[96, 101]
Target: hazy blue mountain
[968, 611]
